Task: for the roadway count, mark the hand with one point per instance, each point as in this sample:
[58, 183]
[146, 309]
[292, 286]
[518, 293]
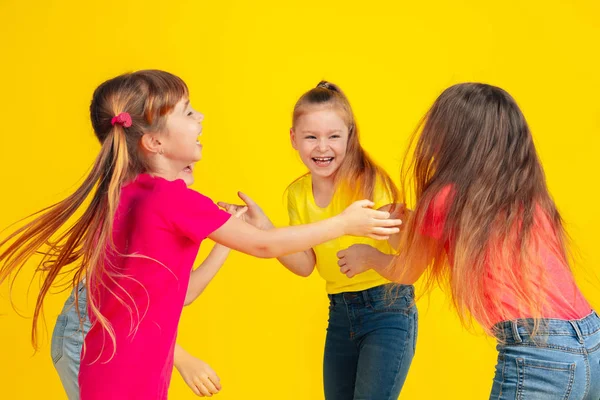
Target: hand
[198, 375]
[254, 215]
[235, 210]
[397, 211]
[361, 220]
[356, 259]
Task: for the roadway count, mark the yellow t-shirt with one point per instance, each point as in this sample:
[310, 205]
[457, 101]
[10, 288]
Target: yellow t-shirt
[302, 209]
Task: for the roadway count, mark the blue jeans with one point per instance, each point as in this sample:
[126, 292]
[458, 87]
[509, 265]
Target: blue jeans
[562, 363]
[370, 343]
[67, 342]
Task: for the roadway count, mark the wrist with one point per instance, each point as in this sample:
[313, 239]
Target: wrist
[340, 225]
[378, 260]
[266, 225]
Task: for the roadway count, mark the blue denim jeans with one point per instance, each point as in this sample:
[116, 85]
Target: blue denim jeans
[561, 362]
[370, 343]
[67, 342]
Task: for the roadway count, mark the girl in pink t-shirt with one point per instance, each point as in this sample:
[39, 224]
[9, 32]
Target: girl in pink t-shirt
[485, 225]
[136, 241]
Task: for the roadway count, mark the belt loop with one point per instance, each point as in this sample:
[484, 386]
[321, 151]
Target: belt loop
[577, 331]
[366, 297]
[515, 331]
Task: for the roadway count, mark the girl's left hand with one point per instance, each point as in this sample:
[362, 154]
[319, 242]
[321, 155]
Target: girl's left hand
[198, 375]
[356, 259]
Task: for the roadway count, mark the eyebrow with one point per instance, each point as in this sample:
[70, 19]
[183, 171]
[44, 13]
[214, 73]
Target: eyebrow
[328, 132]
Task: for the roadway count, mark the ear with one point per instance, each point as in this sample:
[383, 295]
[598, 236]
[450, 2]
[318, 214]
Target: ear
[151, 143]
[293, 139]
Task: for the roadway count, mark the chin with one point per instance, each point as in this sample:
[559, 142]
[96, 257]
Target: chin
[323, 174]
[188, 179]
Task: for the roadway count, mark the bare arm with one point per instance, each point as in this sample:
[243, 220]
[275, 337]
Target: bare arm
[398, 211]
[356, 220]
[201, 276]
[301, 263]
[197, 374]
[359, 258]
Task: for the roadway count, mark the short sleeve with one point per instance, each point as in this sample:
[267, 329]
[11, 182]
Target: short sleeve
[292, 207]
[381, 196]
[194, 215]
[436, 214]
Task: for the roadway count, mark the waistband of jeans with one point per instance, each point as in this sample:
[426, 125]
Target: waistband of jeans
[374, 293]
[517, 330]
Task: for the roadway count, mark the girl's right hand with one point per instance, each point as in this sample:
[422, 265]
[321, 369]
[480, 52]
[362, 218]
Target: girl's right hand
[360, 219]
[254, 215]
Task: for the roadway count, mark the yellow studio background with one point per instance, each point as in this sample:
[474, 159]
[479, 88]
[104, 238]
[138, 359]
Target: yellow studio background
[261, 328]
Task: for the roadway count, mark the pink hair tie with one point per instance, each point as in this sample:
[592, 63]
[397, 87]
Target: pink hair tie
[123, 119]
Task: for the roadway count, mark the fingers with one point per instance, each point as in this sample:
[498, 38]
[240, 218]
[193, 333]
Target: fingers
[378, 237]
[241, 212]
[222, 204]
[384, 231]
[341, 262]
[194, 388]
[341, 253]
[365, 204]
[201, 388]
[246, 199]
[216, 381]
[230, 208]
[377, 214]
[210, 386]
[388, 222]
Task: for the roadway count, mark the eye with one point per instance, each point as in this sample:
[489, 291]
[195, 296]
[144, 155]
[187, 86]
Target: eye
[310, 137]
[190, 113]
[335, 136]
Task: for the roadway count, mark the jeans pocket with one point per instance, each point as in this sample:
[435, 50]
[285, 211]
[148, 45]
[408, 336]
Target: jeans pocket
[58, 337]
[541, 379]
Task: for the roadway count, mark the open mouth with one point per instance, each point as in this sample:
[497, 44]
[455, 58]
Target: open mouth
[323, 161]
[189, 169]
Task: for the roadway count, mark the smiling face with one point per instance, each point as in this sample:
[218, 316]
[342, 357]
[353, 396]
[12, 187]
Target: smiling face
[174, 150]
[321, 137]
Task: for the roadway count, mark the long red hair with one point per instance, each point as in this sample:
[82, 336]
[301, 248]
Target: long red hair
[475, 141]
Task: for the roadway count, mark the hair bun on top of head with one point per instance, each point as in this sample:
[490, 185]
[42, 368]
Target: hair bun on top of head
[328, 86]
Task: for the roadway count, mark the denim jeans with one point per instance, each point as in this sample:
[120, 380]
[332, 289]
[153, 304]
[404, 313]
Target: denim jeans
[370, 343]
[67, 341]
[561, 362]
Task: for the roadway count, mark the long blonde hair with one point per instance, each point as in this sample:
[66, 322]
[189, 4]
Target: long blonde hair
[82, 247]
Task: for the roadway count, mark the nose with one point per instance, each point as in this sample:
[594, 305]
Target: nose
[323, 145]
[200, 117]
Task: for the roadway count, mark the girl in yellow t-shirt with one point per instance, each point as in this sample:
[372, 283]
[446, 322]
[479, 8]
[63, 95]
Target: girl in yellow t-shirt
[370, 339]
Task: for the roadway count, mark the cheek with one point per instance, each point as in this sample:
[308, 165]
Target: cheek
[340, 150]
[305, 150]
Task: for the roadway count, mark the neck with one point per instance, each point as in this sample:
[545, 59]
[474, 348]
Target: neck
[323, 190]
[162, 168]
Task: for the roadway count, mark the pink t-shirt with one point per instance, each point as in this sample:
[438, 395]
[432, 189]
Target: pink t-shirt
[563, 299]
[164, 222]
